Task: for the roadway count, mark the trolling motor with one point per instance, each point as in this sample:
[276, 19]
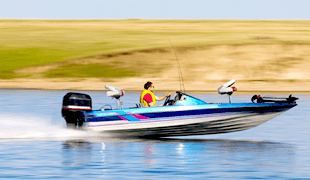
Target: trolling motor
[268, 99]
[116, 93]
[227, 89]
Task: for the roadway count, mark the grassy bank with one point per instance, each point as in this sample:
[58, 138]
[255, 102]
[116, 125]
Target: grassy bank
[207, 49]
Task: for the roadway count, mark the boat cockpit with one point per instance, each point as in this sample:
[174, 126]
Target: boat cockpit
[182, 99]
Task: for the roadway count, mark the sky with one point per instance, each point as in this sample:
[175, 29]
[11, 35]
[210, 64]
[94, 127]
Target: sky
[156, 9]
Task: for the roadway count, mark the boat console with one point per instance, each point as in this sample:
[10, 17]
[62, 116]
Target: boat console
[182, 99]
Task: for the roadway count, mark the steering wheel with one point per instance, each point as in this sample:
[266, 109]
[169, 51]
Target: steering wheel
[167, 100]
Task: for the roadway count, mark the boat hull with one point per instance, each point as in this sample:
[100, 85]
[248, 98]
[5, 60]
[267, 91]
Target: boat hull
[183, 121]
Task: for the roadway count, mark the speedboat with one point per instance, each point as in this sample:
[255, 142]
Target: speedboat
[184, 115]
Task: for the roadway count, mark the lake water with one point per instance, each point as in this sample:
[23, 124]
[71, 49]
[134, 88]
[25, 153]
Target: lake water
[34, 144]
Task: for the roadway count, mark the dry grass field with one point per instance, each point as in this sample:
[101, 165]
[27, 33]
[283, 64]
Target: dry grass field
[266, 55]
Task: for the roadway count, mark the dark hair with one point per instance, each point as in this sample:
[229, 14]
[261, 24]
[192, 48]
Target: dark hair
[147, 85]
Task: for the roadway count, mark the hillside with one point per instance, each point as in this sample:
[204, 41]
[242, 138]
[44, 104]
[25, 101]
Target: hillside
[209, 51]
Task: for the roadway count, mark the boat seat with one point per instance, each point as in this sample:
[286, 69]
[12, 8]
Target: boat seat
[139, 105]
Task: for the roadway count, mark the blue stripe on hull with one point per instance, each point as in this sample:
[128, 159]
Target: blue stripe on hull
[168, 119]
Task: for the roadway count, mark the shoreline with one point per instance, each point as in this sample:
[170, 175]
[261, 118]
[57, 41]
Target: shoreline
[161, 86]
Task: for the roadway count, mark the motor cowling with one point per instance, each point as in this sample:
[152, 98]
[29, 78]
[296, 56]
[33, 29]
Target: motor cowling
[73, 105]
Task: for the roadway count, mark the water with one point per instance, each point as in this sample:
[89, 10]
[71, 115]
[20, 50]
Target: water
[34, 144]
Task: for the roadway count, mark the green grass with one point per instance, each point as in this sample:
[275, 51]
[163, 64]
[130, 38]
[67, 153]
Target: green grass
[90, 70]
[27, 43]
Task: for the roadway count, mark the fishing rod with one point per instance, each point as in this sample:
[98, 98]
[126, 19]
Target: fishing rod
[179, 70]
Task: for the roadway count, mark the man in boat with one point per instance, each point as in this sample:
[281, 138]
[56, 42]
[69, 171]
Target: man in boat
[147, 98]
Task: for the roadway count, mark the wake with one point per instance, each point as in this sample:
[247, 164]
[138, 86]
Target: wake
[29, 127]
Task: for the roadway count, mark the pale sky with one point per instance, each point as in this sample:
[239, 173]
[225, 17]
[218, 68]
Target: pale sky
[156, 9]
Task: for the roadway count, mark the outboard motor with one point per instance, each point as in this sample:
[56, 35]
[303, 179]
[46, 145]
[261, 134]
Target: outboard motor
[73, 105]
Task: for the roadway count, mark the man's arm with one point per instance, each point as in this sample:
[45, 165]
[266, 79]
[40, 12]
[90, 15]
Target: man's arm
[162, 97]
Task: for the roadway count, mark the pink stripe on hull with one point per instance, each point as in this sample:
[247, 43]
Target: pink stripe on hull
[139, 116]
[122, 117]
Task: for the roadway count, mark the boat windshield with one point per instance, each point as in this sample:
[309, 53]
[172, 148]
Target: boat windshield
[182, 99]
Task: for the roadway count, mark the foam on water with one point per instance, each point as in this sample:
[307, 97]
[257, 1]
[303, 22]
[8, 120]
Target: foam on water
[31, 127]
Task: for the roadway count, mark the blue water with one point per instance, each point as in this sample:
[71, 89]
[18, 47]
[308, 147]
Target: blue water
[34, 144]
